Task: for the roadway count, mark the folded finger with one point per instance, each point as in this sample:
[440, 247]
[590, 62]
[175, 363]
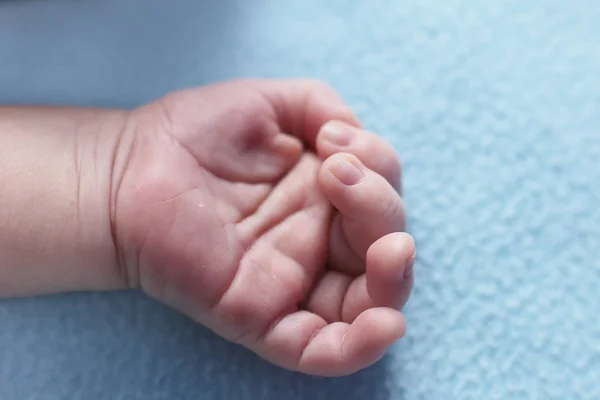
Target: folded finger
[372, 150]
[303, 341]
[369, 208]
[387, 282]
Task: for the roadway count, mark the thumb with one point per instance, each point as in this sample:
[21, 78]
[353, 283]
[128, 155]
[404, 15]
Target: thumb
[246, 119]
[303, 106]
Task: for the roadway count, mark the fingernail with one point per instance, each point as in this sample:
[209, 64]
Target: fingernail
[409, 268]
[337, 134]
[346, 172]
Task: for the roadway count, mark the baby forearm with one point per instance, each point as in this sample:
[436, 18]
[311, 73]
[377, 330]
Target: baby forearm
[55, 183]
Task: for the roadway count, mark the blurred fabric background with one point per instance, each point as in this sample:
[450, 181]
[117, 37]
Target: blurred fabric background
[495, 109]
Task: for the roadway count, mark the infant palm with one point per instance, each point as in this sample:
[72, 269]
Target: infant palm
[232, 210]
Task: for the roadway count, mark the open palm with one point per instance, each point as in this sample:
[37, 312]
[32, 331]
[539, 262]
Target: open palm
[244, 207]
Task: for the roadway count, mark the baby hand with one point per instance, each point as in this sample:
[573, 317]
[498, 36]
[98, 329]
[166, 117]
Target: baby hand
[262, 210]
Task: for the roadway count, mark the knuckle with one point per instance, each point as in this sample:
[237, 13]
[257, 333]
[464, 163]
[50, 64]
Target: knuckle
[320, 89]
[391, 169]
[317, 85]
[381, 157]
[390, 208]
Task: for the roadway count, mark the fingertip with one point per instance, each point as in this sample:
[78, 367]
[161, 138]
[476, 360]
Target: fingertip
[333, 136]
[374, 151]
[286, 146]
[390, 274]
[341, 170]
[400, 244]
[408, 272]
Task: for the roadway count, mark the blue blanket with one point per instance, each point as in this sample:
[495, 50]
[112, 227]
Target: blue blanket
[495, 109]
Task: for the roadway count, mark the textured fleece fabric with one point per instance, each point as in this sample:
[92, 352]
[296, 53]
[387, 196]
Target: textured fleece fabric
[494, 107]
